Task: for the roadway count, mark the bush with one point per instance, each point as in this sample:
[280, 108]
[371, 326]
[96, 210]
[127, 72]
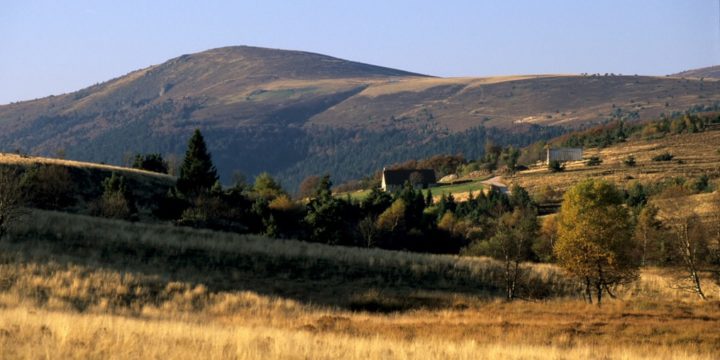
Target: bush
[11, 198]
[150, 162]
[116, 201]
[700, 184]
[630, 161]
[666, 156]
[594, 161]
[556, 166]
[49, 187]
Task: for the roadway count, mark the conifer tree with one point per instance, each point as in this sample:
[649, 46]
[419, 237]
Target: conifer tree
[429, 198]
[325, 214]
[197, 173]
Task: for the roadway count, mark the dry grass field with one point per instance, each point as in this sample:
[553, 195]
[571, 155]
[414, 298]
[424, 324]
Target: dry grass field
[698, 154]
[78, 287]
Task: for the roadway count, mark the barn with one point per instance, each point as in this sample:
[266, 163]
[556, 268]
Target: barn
[394, 179]
[564, 154]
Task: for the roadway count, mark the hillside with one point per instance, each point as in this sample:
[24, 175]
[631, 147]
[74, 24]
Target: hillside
[295, 113]
[81, 182]
[694, 155]
[712, 72]
[75, 286]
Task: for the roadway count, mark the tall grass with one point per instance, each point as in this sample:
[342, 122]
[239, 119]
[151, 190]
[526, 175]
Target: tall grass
[213, 258]
[80, 287]
[39, 334]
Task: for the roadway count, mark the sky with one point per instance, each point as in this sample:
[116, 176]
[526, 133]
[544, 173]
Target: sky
[54, 47]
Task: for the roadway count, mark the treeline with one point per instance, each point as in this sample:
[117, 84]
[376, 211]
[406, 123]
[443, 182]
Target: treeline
[354, 153]
[409, 219]
[406, 220]
[620, 131]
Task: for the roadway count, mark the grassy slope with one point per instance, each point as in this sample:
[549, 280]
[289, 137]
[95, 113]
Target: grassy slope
[699, 153]
[146, 186]
[707, 72]
[79, 287]
[14, 159]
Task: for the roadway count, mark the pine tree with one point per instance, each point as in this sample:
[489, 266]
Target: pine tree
[197, 173]
[325, 214]
[429, 198]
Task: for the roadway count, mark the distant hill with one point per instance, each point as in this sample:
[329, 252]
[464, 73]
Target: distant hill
[296, 113]
[712, 72]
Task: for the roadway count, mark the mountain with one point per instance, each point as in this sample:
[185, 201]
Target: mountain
[296, 113]
[712, 72]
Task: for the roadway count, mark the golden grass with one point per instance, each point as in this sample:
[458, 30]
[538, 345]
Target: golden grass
[699, 153]
[77, 287]
[29, 333]
[418, 84]
[15, 159]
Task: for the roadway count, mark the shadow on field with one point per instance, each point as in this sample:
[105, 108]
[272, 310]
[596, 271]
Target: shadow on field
[158, 255]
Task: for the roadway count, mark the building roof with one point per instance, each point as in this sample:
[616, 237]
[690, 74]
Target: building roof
[400, 176]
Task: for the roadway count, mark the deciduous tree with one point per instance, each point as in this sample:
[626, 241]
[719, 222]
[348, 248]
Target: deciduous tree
[266, 187]
[647, 230]
[595, 242]
[689, 242]
[512, 244]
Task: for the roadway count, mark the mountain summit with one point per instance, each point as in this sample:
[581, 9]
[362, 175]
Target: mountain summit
[296, 113]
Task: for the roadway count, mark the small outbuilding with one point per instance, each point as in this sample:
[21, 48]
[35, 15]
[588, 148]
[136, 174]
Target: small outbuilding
[393, 180]
[564, 154]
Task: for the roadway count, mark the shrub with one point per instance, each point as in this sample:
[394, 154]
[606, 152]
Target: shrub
[49, 187]
[700, 184]
[666, 156]
[11, 198]
[116, 201]
[556, 166]
[630, 161]
[594, 161]
[150, 162]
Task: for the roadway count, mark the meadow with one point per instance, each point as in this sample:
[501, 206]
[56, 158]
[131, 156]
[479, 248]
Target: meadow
[693, 155]
[73, 286]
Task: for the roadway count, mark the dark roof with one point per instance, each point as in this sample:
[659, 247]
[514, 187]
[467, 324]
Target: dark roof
[399, 177]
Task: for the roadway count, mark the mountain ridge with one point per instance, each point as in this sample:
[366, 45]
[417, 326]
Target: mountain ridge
[704, 72]
[297, 113]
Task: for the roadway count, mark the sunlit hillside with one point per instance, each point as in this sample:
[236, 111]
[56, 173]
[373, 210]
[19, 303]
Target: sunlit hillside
[78, 287]
[693, 155]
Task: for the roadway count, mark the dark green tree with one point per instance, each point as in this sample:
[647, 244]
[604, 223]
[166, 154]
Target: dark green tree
[429, 198]
[324, 214]
[510, 156]
[376, 202]
[520, 198]
[556, 166]
[197, 173]
[151, 162]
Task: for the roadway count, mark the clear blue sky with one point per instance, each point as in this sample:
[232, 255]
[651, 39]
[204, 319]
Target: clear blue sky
[52, 47]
